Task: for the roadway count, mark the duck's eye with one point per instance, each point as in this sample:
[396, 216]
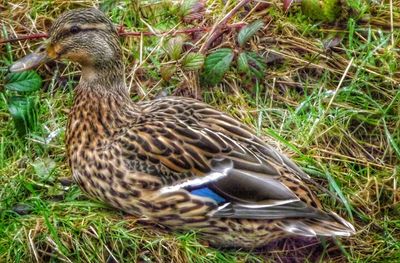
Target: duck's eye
[74, 29]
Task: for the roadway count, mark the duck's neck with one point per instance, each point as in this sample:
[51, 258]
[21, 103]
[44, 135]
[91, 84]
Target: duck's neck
[105, 78]
[101, 104]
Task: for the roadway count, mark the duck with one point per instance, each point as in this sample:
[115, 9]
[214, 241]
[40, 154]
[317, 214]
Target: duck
[175, 161]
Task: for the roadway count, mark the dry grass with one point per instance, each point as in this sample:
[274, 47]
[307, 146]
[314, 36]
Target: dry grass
[330, 98]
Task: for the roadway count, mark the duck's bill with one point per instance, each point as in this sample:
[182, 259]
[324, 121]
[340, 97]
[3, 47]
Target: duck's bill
[33, 60]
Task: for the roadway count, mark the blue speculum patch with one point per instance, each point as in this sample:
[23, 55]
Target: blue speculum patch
[207, 192]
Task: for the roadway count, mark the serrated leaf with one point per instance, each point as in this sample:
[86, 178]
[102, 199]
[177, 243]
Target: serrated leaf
[248, 31]
[174, 47]
[216, 64]
[192, 10]
[187, 6]
[167, 71]
[24, 113]
[26, 81]
[252, 64]
[243, 64]
[193, 61]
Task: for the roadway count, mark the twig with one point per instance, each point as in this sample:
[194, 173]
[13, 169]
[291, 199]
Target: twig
[338, 87]
[32, 244]
[391, 23]
[334, 93]
[24, 37]
[124, 33]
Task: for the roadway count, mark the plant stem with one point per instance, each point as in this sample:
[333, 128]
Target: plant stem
[124, 33]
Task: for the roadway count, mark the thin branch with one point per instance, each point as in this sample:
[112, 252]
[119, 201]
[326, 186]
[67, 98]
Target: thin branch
[24, 37]
[124, 33]
[391, 23]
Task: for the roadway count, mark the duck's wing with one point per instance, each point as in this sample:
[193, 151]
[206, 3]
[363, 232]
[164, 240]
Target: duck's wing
[244, 184]
[191, 146]
[195, 148]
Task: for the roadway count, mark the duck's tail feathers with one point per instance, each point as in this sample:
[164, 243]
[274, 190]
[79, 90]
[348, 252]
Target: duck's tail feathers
[332, 225]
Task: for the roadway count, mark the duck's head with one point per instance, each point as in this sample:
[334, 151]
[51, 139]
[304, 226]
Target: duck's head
[85, 36]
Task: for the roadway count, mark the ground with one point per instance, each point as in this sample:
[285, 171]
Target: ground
[329, 97]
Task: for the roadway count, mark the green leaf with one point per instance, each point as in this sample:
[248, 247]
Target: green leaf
[391, 140]
[186, 6]
[216, 64]
[26, 81]
[167, 71]
[328, 10]
[193, 61]
[252, 64]
[248, 31]
[174, 47]
[44, 168]
[338, 190]
[243, 63]
[24, 113]
[191, 10]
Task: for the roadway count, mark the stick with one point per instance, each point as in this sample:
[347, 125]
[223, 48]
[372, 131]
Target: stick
[123, 33]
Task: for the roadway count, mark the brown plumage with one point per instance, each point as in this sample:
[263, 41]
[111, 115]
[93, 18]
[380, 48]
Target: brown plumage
[176, 161]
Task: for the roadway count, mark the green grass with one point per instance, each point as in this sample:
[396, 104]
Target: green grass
[342, 127]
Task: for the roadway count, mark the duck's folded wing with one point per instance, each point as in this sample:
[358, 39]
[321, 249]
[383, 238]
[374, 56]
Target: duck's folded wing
[243, 194]
[212, 164]
[211, 155]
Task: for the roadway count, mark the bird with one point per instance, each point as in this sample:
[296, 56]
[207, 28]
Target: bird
[175, 161]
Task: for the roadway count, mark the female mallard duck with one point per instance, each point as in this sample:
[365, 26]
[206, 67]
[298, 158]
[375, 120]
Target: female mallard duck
[175, 161]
